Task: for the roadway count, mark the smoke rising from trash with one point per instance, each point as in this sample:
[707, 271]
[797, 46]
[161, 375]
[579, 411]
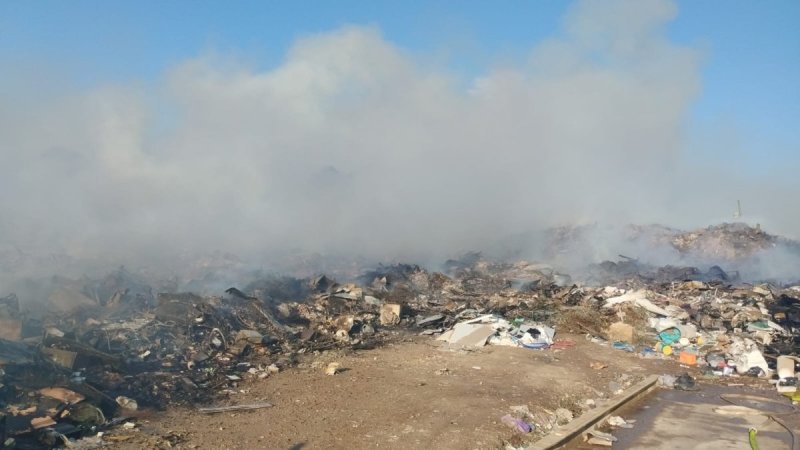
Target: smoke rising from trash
[355, 147]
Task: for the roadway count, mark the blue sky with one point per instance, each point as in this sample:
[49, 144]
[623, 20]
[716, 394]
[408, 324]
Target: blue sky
[751, 73]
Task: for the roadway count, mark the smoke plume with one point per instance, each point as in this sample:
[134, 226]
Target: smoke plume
[353, 146]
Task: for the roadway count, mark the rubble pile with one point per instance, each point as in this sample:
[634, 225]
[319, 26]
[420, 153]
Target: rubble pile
[98, 351]
[716, 244]
[629, 270]
[706, 318]
[727, 241]
[118, 344]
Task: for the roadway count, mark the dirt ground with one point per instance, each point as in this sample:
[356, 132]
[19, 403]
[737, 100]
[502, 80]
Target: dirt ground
[415, 394]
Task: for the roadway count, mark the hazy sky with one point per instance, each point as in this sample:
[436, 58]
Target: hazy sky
[128, 128]
[750, 70]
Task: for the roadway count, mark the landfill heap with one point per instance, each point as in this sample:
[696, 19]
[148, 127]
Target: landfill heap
[723, 243]
[98, 352]
[726, 241]
[725, 329]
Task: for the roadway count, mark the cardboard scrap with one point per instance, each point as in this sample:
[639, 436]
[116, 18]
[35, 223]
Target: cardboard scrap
[470, 334]
[62, 394]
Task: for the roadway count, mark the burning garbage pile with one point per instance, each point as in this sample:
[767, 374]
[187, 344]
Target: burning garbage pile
[102, 351]
[733, 246]
[724, 329]
[725, 326]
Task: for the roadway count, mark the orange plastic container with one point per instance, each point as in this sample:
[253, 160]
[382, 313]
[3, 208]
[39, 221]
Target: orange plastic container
[688, 358]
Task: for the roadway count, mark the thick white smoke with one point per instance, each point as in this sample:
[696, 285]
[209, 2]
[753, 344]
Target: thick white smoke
[351, 146]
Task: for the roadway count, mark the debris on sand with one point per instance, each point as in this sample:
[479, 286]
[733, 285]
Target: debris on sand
[97, 351]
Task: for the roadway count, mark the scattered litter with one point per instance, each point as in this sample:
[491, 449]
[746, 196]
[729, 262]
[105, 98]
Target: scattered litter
[600, 438]
[619, 422]
[667, 381]
[495, 330]
[685, 383]
[518, 424]
[111, 340]
[620, 331]
[623, 346]
[62, 394]
[599, 441]
[127, 403]
[563, 416]
[332, 369]
[222, 409]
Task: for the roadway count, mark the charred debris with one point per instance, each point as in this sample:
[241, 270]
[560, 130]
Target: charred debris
[95, 353]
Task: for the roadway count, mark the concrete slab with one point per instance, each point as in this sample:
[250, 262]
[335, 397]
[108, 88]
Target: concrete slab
[670, 419]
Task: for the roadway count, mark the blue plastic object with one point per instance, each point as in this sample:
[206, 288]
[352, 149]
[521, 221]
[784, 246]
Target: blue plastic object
[670, 336]
[619, 345]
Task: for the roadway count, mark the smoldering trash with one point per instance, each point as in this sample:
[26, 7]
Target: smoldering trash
[82, 365]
